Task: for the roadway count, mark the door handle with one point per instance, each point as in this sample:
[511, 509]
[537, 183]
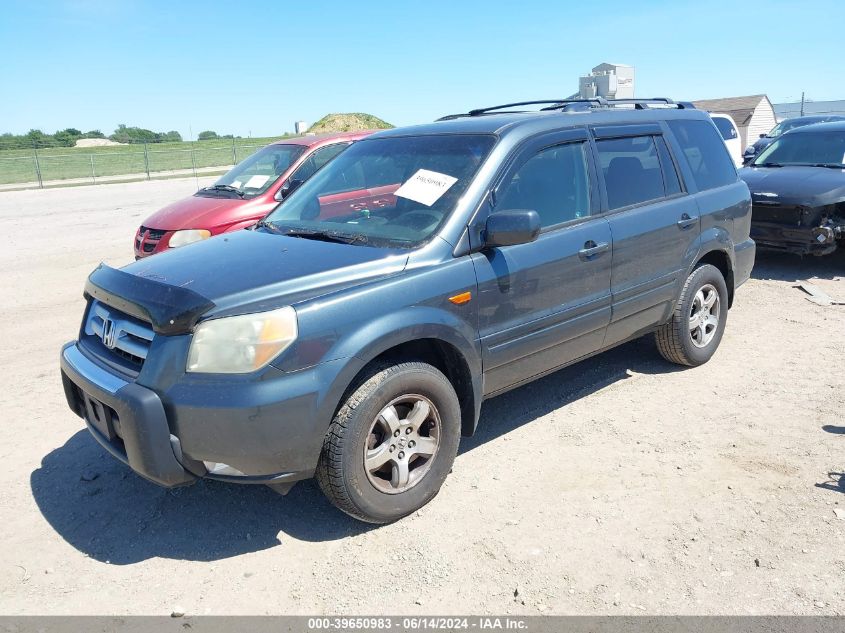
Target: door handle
[686, 221]
[591, 249]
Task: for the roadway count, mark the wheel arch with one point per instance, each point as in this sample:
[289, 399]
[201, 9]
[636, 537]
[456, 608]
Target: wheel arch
[425, 334]
[722, 260]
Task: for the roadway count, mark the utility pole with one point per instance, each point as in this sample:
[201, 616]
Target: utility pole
[802, 103]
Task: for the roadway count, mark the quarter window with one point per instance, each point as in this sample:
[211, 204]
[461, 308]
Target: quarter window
[671, 182]
[553, 182]
[705, 152]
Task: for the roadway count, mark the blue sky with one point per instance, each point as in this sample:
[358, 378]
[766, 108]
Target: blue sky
[258, 66]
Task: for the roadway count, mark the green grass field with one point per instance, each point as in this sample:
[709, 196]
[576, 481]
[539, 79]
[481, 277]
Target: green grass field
[60, 163]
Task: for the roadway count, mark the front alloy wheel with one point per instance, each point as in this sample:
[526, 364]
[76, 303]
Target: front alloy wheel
[402, 444]
[392, 442]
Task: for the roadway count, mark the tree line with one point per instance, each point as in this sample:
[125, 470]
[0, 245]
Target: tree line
[68, 137]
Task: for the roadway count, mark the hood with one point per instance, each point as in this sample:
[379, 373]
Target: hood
[762, 143]
[808, 186]
[248, 271]
[199, 212]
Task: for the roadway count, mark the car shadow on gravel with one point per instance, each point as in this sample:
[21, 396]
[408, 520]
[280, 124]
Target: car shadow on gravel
[504, 413]
[106, 511]
[785, 267]
[835, 482]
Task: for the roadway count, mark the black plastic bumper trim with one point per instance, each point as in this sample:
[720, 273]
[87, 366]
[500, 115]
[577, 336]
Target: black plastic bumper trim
[144, 432]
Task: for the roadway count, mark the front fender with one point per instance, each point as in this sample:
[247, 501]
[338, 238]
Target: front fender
[361, 345]
[357, 325]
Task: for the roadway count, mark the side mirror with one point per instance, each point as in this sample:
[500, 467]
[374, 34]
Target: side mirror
[762, 136]
[514, 226]
[288, 188]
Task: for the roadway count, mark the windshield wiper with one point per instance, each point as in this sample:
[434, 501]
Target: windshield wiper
[228, 188]
[829, 165]
[767, 165]
[264, 224]
[314, 234]
[325, 236]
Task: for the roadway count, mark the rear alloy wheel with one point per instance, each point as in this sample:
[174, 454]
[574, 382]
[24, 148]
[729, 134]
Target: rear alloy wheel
[695, 330]
[392, 443]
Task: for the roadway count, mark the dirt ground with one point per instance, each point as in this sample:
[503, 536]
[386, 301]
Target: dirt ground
[620, 485]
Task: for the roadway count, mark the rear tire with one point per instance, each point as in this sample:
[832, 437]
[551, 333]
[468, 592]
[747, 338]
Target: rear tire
[695, 330]
[391, 444]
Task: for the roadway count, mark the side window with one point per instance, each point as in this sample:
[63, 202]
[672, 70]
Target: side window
[705, 152]
[319, 158]
[631, 168]
[553, 182]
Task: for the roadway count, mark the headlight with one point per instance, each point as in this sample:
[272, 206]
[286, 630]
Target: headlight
[189, 236]
[241, 344]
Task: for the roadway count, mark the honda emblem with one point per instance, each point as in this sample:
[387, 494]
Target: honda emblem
[109, 333]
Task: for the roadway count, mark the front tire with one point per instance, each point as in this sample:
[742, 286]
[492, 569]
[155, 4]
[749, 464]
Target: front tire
[695, 330]
[391, 444]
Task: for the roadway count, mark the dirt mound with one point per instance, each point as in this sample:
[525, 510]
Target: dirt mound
[349, 122]
[95, 142]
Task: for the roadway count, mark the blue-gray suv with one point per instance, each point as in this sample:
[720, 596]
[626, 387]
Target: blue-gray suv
[353, 333]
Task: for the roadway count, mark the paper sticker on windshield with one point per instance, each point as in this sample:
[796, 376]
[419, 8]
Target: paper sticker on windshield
[425, 187]
[256, 182]
[236, 184]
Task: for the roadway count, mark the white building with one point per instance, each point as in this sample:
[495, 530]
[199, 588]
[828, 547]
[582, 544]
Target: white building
[611, 81]
[301, 127]
[753, 115]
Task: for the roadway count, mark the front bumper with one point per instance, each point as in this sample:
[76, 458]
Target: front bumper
[805, 240]
[169, 442]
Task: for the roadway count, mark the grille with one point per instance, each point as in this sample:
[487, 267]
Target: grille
[117, 338]
[765, 211]
[147, 239]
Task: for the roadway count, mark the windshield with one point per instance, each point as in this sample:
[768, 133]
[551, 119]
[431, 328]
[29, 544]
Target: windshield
[789, 124]
[254, 175]
[384, 192]
[803, 148]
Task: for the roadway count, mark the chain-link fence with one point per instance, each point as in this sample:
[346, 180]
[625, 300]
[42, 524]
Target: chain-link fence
[78, 166]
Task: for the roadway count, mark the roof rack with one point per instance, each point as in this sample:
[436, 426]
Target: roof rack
[580, 105]
[643, 103]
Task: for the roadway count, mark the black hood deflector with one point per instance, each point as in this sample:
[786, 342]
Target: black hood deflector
[170, 309]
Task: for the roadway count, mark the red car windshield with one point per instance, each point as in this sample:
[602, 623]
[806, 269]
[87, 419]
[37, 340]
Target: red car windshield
[253, 176]
[394, 191]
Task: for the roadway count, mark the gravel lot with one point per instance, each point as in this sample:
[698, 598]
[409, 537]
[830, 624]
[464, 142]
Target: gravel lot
[620, 485]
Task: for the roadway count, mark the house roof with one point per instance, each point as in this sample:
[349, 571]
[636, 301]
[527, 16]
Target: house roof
[740, 108]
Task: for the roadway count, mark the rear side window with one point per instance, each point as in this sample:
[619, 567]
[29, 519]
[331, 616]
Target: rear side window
[631, 168]
[553, 182]
[705, 152]
[726, 128]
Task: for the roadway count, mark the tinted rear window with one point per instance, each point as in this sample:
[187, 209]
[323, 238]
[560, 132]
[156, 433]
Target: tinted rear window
[705, 152]
[726, 128]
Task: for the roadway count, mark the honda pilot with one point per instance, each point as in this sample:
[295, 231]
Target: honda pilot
[470, 256]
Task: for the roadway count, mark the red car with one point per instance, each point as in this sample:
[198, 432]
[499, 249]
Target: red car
[244, 195]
